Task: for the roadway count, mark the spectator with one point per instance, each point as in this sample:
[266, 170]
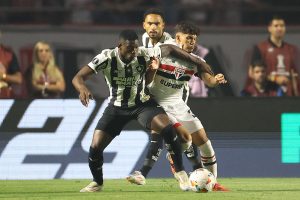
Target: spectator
[260, 86]
[197, 87]
[47, 80]
[279, 57]
[9, 72]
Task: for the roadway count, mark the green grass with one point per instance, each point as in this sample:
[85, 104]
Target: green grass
[155, 189]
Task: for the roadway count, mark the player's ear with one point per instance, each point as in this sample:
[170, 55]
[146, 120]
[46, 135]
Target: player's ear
[177, 37]
[119, 45]
[163, 25]
[269, 28]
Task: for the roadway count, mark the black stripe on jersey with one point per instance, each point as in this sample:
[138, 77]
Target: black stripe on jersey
[142, 62]
[172, 76]
[184, 94]
[127, 90]
[102, 65]
[147, 42]
[114, 73]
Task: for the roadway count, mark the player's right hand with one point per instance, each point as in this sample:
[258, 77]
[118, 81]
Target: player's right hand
[85, 95]
[154, 63]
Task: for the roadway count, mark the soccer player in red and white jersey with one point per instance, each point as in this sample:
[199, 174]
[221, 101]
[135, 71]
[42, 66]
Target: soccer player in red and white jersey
[168, 88]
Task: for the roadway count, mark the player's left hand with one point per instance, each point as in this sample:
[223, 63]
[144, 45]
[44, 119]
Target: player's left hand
[220, 79]
[85, 95]
[154, 63]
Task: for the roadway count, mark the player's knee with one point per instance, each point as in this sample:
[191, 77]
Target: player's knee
[185, 146]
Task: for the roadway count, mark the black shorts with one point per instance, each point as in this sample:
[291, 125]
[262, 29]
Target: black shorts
[115, 118]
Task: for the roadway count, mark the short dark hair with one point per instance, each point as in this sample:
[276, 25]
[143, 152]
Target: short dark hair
[154, 11]
[275, 17]
[128, 34]
[187, 28]
[258, 63]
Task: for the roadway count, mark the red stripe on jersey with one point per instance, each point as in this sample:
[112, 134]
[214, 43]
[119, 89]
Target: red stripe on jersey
[177, 125]
[172, 68]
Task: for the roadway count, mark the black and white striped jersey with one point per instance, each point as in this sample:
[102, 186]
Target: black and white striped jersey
[126, 82]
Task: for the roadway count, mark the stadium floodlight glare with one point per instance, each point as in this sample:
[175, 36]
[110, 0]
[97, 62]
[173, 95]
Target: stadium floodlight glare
[290, 138]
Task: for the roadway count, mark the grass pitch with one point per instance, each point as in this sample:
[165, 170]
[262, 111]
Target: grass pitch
[155, 189]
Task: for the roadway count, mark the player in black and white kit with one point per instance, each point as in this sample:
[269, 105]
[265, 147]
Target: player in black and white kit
[124, 69]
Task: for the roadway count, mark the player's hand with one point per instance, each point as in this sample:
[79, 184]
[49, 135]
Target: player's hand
[282, 80]
[85, 95]
[154, 63]
[220, 79]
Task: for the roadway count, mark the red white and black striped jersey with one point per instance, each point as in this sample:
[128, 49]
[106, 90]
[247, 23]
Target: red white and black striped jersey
[171, 78]
[126, 82]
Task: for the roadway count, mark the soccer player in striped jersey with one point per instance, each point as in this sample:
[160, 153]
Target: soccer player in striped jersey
[124, 69]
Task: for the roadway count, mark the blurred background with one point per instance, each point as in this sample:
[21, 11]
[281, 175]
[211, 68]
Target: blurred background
[251, 136]
[79, 29]
[125, 12]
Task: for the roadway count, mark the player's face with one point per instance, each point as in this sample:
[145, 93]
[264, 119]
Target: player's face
[154, 26]
[128, 50]
[43, 53]
[259, 74]
[277, 28]
[186, 41]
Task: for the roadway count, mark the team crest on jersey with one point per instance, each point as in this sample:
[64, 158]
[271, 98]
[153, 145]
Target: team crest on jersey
[270, 49]
[139, 68]
[178, 72]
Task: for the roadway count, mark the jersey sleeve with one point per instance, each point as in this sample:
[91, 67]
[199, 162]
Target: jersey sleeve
[100, 61]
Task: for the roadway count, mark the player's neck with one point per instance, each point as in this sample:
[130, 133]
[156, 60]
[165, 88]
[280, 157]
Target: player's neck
[260, 86]
[154, 41]
[277, 41]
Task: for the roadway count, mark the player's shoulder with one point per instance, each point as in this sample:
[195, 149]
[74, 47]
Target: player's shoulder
[167, 36]
[198, 57]
[171, 41]
[108, 53]
[291, 46]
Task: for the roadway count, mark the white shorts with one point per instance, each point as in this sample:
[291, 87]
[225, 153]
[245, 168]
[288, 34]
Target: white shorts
[181, 113]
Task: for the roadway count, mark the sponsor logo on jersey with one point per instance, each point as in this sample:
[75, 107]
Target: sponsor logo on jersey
[171, 85]
[126, 81]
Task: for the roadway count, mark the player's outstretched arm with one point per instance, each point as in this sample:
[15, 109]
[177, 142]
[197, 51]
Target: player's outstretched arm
[79, 84]
[172, 50]
[213, 81]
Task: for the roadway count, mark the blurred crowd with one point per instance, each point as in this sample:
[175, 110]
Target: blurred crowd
[118, 12]
[273, 64]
